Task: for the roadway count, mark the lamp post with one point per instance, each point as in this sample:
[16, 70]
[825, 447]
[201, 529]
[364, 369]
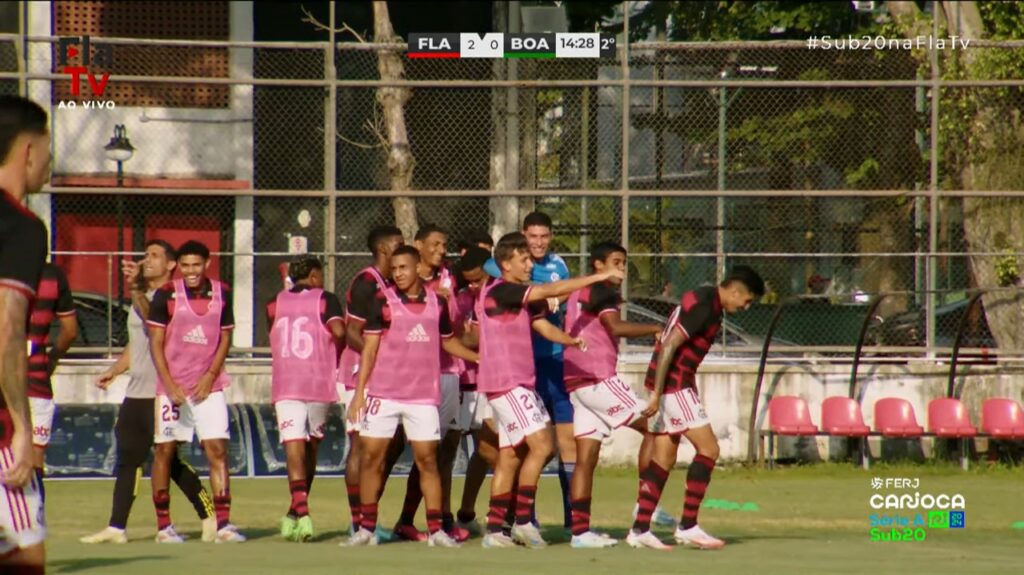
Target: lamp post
[119, 150]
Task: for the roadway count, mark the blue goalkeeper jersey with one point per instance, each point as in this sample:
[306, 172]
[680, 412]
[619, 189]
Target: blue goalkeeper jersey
[550, 269]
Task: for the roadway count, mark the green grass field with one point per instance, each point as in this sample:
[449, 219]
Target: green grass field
[809, 520]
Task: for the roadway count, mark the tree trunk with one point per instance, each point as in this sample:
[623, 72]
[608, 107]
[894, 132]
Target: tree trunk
[392, 99]
[992, 163]
[504, 209]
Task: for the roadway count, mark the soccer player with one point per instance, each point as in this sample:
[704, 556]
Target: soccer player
[432, 244]
[306, 328]
[190, 323]
[601, 401]
[508, 311]
[53, 299]
[547, 355]
[24, 169]
[675, 408]
[399, 382]
[361, 299]
[134, 429]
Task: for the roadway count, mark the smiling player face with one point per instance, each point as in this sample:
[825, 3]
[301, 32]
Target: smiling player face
[403, 271]
[192, 269]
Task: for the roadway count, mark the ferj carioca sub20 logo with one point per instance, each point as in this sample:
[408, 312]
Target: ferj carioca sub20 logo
[922, 511]
[78, 57]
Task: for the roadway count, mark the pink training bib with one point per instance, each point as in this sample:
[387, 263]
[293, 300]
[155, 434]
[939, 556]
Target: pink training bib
[348, 366]
[191, 340]
[599, 361]
[408, 366]
[303, 349]
[506, 349]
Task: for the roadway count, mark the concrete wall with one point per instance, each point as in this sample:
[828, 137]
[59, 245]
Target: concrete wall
[727, 391]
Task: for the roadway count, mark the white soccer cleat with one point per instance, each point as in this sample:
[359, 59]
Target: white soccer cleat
[645, 539]
[360, 538]
[497, 541]
[229, 534]
[591, 540]
[210, 529]
[696, 537]
[528, 536]
[169, 535]
[108, 535]
[442, 539]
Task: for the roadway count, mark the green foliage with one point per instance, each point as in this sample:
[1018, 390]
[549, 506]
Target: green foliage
[1007, 272]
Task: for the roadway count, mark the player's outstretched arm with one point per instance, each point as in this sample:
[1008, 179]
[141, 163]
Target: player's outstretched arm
[454, 346]
[618, 327]
[566, 287]
[548, 331]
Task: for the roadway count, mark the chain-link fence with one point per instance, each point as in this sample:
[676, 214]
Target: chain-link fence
[838, 174]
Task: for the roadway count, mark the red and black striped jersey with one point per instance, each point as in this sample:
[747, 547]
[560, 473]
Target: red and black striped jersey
[699, 317]
[53, 300]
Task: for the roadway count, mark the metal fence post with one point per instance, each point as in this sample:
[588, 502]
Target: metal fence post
[331, 153]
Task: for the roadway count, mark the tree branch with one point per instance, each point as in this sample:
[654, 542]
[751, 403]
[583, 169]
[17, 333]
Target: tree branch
[310, 19]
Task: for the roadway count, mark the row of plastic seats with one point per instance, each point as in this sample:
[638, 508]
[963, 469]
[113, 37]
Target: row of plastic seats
[1001, 418]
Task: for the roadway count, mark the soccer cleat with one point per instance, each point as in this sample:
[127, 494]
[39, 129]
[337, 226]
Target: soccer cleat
[645, 539]
[528, 536]
[108, 535]
[663, 518]
[442, 539]
[696, 537]
[591, 540]
[304, 529]
[169, 535]
[288, 525]
[471, 527]
[385, 535]
[229, 534]
[497, 541]
[210, 529]
[404, 532]
[360, 538]
[458, 533]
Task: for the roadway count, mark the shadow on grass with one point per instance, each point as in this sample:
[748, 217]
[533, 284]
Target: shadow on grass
[76, 565]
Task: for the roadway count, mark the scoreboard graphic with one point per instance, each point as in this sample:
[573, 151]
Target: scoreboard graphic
[500, 45]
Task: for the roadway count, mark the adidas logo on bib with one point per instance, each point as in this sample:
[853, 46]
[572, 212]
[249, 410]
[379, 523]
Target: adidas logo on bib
[196, 336]
[417, 335]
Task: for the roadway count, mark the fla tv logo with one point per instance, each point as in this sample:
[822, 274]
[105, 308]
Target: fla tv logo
[77, 56]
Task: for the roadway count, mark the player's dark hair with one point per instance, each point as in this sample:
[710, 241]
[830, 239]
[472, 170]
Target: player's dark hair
[537, 219]
[407, 251]
[169, 250]
[378, 235]
[474, 258]
[508, 245]
[301, 268]
[602, 250]
[474, 239]
[746, 276]
[193, 248]
[427, 229]
[18, 116]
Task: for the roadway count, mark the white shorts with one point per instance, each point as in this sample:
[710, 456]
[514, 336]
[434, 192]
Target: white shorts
[301, 420]
[469, 402]
[42, 420]
[352, 427]
[518, 413]
[208, 420]
[679, 412]
[23, 518]
[600, 408]
[383, 416]
[448, 412]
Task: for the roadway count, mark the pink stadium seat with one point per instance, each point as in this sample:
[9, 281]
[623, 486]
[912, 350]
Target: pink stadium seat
[841, 416]
[894, 417]
[1002, 418]
[789, 415]
[947, 417]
